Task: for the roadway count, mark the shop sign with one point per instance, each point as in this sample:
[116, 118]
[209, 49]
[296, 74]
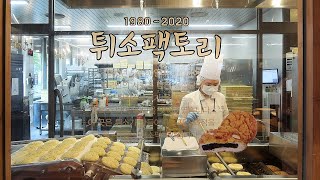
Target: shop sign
[129, 44]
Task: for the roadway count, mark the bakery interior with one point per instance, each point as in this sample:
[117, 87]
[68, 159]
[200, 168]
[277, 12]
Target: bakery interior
[138, 98]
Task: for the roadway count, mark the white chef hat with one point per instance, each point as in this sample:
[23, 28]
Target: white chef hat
[211, 68]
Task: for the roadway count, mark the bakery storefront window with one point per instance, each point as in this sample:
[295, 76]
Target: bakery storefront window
[159, 89]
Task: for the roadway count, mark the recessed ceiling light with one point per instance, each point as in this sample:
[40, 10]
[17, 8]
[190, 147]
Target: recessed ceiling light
[19, 2]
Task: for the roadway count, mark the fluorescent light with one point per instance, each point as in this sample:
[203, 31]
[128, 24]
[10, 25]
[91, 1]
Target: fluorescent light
[243, 37]
[19, 2]
[62, 26]
[211, 25]
[196, 3]
[274, 44]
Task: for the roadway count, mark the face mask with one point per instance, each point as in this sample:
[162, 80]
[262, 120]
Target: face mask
[209, 90]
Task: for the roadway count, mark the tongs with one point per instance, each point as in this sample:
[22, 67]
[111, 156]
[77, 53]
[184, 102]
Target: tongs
[136, 172]
[212, 173]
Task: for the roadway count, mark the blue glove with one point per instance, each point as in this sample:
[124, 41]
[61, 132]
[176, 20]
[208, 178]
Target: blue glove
[192, 116]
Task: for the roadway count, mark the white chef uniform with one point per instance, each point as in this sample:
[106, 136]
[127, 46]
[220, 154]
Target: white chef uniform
[212, 110]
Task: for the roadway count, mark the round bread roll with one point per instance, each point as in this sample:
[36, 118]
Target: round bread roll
[273, 168]
[114, 154]
[99, 150]
[52, 142]
[224, 174]
[230, 160]
[155, 169]
[64, 145]
[236, 167]
[226, 154]
[134, 149]
[110, 162]
[219, 167]
[242, 173]
[123, 147]
[133, 155]
[104, 140]
[130, 161]
[100, 144]
[126, 168]
[57, 151]
[118, 149]
[70, 155]
[69, 140]
[281, 173]
[146, 167]
[213, 159]
[89, 137]
[90, 156]
[33, 145]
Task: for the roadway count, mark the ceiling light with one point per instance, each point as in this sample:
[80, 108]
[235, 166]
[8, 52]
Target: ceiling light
[196, 3]
[19, 2]
[62, 26]
[243, 37]
[274, 44]
[211, 25]
[276, 3]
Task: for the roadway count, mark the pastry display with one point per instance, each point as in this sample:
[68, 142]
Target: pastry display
[114, 154]
[155, 169]
[130, 161]
[133, 155]
[282, 173]
[134, 149]
[110, 162]
[236, 131]
[218, 167]
[230, 160]
[117, 149]
[99, 150]
[90, 156]
[273, 168]
[224, 174]
[243, 173]
[126, 168]
[235, 167]
[119, 144]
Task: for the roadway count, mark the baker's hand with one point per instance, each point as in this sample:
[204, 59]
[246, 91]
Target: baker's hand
[192, 116]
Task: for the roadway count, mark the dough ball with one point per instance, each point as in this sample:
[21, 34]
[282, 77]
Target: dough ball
[120, 145]
[155, 169]
[236, 167]
[99, 150]
[224, 174]
[219, 167]
[104, 140]
[90, 156]
[114, 154]
[99, 144]
[118, 149]
[110, 162]
[126, 168]
[242, 173]
[130, 161]
[133, 155]
[213, 159]
[230, 160]
[134, 149]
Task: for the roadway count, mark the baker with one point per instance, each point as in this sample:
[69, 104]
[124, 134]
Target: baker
[206, 107]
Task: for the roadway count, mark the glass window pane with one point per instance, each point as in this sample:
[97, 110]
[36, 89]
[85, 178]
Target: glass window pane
[29, 11]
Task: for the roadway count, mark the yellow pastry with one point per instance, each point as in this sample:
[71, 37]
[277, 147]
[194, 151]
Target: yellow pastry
[110, 162]
[126, 168]
[99, 144]
[48, 157]
[52, 142]
[155, 169]
[120, 145]
[230, 160]
[90, 156]
[70, 155]
[114, 154]
[133, 155]
[213, 159]
[226, 154]
[118, 149]
[147, 167]
[99, 150]
[224, 174]
[69, 140]
[89, 137]
[218, 167]
[236, 167]
[130, 161]
[242, 173]
[134, 149]
[104, 140]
